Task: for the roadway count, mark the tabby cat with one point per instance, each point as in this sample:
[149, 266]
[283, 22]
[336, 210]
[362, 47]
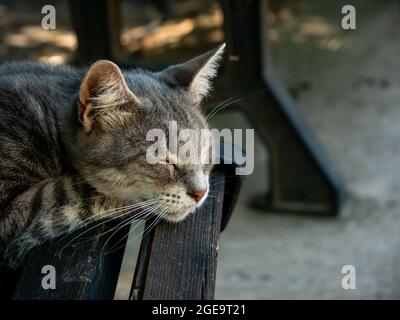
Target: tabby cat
[73, 146]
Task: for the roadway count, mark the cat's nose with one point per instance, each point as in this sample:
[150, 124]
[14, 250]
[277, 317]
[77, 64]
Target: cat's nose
[198, 194]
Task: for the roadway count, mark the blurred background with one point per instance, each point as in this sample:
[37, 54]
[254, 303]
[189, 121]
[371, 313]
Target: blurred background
[346, 84]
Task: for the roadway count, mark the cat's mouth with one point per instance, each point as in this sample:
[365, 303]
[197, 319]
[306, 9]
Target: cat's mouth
[174, 214]
[178, 216]
[146, 209]
[171, 202]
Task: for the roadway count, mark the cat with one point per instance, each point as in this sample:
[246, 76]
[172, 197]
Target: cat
[73, 146]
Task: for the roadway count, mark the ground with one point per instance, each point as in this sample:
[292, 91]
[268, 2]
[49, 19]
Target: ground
[351, 98]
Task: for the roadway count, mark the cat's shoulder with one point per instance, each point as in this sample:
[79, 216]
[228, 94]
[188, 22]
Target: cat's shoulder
[23, 78]
[34, 68]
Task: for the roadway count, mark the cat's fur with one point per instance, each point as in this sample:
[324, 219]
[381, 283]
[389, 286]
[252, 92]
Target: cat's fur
[73, 145]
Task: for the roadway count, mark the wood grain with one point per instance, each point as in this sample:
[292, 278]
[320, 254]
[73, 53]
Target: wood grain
[83, 271]
[179, 261]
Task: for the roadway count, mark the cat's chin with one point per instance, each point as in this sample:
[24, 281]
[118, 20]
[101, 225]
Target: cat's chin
[177, 216]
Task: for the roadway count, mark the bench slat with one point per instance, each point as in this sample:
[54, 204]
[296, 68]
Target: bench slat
[82, 271]
[176, 261]
[180, 261]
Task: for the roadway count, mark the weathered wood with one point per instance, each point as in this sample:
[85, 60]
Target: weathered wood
[179, 261]
[176, 261]
[83, 271]
[8, 280]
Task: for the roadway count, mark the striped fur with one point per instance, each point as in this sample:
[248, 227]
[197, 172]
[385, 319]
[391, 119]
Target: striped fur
[54, 175]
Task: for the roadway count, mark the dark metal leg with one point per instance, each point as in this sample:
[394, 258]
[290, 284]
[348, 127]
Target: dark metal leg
[302, 178]
[97, 24]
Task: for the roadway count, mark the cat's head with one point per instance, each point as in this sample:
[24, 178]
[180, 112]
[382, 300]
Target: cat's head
[116, 109]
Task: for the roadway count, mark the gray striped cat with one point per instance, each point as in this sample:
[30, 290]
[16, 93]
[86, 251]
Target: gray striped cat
[73, 146]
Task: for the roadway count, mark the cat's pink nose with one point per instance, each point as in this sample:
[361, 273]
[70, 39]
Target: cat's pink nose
[198, 195]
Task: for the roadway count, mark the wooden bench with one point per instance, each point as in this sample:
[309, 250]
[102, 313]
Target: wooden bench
[176, 261]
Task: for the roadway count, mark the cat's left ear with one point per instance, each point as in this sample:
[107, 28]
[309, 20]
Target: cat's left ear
[196, 74]
[102, 93]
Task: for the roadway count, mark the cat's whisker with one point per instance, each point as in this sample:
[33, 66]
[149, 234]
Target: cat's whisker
[222, 105]
[114, 210]
[225, 106]
[119, 211]
[149, 212]
[218, 105]
[146, 230]
[160, 216]
[237, 99]
[132, 207]
[113, 228]
[98, 235]
[104, 214]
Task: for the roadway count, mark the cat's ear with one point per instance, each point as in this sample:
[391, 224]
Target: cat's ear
[196, 74]
[102, 91]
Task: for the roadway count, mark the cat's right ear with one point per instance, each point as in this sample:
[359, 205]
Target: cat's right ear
[102, 91]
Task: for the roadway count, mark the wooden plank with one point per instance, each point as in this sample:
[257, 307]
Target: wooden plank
[179, 261]
[8, 280]
[83, 271]
[176, 261]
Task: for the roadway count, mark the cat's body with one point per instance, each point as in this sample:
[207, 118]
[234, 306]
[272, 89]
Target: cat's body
[72, 145]
[32, 150]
